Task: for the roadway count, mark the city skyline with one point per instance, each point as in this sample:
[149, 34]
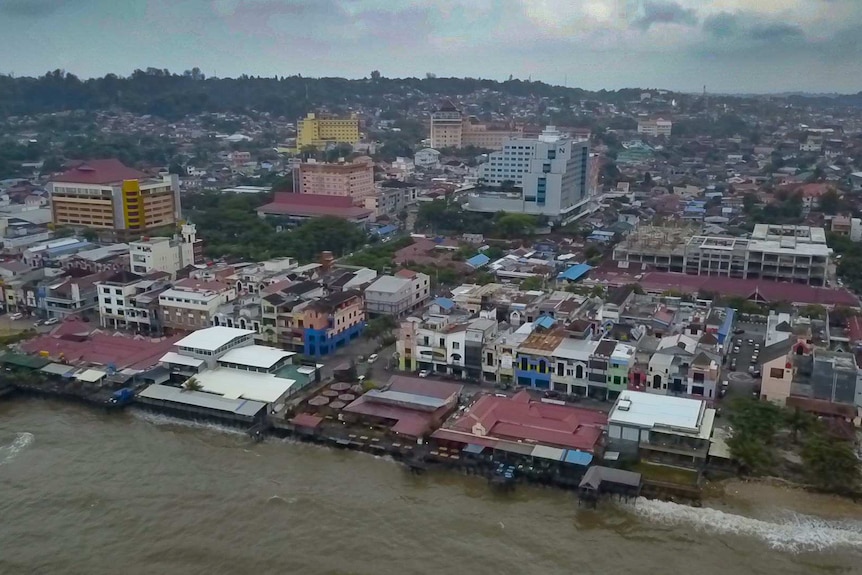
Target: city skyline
[732, 46]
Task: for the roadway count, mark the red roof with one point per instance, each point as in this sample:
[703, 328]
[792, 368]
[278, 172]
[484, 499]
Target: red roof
[102, 349]
[426, 387]
[765, 290]
[99, 172]
[309, 205]
[306, 420]
[520, 418]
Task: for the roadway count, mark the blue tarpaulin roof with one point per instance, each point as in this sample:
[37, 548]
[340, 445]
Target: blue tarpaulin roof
[576, 457]
[386, 230]
[445, 302]
[575, 272]
[478, 261]
[546, 322]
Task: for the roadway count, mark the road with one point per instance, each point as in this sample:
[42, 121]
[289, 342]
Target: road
[740, 383]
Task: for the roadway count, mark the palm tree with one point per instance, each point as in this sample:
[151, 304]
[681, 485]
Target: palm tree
[192, 384]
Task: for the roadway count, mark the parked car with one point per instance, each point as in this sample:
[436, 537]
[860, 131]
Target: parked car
[52, 321]
[16, 316]
[738, 331]
[372, 358]
[424, 373]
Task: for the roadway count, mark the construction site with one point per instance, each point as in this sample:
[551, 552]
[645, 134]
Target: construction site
[798, 254]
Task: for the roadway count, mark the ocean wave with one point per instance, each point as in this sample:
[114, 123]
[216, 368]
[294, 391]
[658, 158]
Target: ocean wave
[9, 452]
[167, 420]
[789, 532]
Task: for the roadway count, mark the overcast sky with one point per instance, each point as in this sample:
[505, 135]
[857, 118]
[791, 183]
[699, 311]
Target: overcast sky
[727, 45]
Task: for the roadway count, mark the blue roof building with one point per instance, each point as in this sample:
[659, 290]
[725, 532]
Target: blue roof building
[478, 261]
[575, 272]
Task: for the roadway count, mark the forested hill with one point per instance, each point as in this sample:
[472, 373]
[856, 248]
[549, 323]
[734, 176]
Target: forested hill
[162, 93]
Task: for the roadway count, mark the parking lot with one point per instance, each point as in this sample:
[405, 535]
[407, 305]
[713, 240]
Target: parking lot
[743, 353]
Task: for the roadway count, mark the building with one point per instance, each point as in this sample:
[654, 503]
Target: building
[332, 322]
[165, 254]
[226, 362]
[446, 341]
[391, 198]
[427, 159]
[354, 180]
[666, 430]
[106, 195]
[71, 295]
[451, 129]
[297, 208]
[321, 130]
[546, 176]
[191, 304]
[777, 371]
[397, 295]
[834, 377]
[790, 253]
[120, 307]
[407, 406]
[655, 128]
[524, 426]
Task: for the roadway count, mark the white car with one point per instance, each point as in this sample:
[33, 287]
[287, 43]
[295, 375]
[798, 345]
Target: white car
[16, 316]
[372, 358]
[52, 321]
[424, 373]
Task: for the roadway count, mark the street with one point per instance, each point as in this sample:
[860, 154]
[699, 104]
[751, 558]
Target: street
[740, 383]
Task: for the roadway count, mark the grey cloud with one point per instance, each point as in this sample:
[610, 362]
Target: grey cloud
[664, 12]
[747, 26]
[30, 8]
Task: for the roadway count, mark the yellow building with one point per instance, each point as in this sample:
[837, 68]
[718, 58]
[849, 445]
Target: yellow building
[106, 195]
[318, 131]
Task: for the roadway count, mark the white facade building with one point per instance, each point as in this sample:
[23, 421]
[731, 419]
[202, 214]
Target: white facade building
[655, 128]
[427, 159]
[398, 295]
[549, 176]
[163, 254]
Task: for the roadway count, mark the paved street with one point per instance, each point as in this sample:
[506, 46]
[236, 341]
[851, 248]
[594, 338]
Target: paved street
[740, 383]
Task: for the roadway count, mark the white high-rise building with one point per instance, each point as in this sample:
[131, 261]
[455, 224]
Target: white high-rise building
[545, 176]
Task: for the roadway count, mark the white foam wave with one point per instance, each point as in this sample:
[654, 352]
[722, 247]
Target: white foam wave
[790, 532]
[160, 419]
[9, 452]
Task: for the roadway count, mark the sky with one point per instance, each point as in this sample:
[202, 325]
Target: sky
[752, 46]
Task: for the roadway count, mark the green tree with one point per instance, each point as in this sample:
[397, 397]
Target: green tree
[513, 225]
[533, 283]
[831, 464]
[830, 202]
[192, 384]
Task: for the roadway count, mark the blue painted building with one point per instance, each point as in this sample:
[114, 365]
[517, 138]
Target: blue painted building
[533, 371]
[332, 322]
[726, 325]
[321, 342]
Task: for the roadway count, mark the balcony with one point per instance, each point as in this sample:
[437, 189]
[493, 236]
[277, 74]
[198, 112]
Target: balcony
[677, 445]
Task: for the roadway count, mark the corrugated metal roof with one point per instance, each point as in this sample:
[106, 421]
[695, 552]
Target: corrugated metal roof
[243, 407]
[575, 272]
[58, 369]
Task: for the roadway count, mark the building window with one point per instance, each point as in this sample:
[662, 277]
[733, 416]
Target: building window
[455, 345]
[776, 372]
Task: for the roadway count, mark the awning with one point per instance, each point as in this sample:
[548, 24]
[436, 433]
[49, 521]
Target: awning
[91, 375]
[58, 369]
[179, 359]
[474, 449]
[518, 448]
[545, 452]
[575, 457]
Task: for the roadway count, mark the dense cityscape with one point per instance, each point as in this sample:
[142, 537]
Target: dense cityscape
[628, 296]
